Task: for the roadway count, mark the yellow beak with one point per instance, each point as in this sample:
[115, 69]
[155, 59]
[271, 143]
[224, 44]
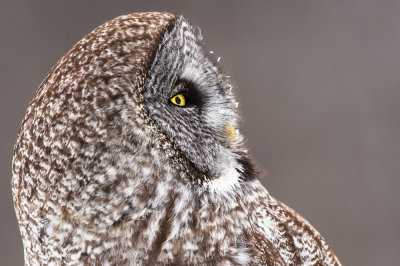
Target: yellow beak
[229, 130]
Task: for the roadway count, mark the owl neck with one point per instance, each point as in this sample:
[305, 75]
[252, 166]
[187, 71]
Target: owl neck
[197, 227]
[191, 221]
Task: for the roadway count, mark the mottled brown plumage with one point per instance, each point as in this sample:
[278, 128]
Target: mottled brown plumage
[106, 170]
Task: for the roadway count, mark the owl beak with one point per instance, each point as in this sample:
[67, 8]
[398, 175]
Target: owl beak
[230, 131]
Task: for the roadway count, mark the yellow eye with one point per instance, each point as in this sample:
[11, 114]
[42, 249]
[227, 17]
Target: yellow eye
[179, 100]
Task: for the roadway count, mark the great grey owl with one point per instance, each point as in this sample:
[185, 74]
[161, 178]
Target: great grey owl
[130, 154]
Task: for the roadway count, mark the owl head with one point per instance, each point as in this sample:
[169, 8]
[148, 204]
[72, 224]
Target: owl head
[135, 117]
[192, 103]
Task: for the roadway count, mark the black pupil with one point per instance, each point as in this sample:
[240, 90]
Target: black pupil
[178, 100]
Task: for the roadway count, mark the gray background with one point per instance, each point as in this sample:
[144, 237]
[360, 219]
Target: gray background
[319, 87]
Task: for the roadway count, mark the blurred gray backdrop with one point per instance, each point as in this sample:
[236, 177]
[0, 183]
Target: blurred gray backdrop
[319, 87]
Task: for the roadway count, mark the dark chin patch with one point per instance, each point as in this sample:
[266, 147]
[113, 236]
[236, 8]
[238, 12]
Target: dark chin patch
[249, 171]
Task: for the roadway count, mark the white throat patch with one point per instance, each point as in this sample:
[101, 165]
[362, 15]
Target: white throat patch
[229, 179]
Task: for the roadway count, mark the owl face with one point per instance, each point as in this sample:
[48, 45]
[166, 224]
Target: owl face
[191, 102]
